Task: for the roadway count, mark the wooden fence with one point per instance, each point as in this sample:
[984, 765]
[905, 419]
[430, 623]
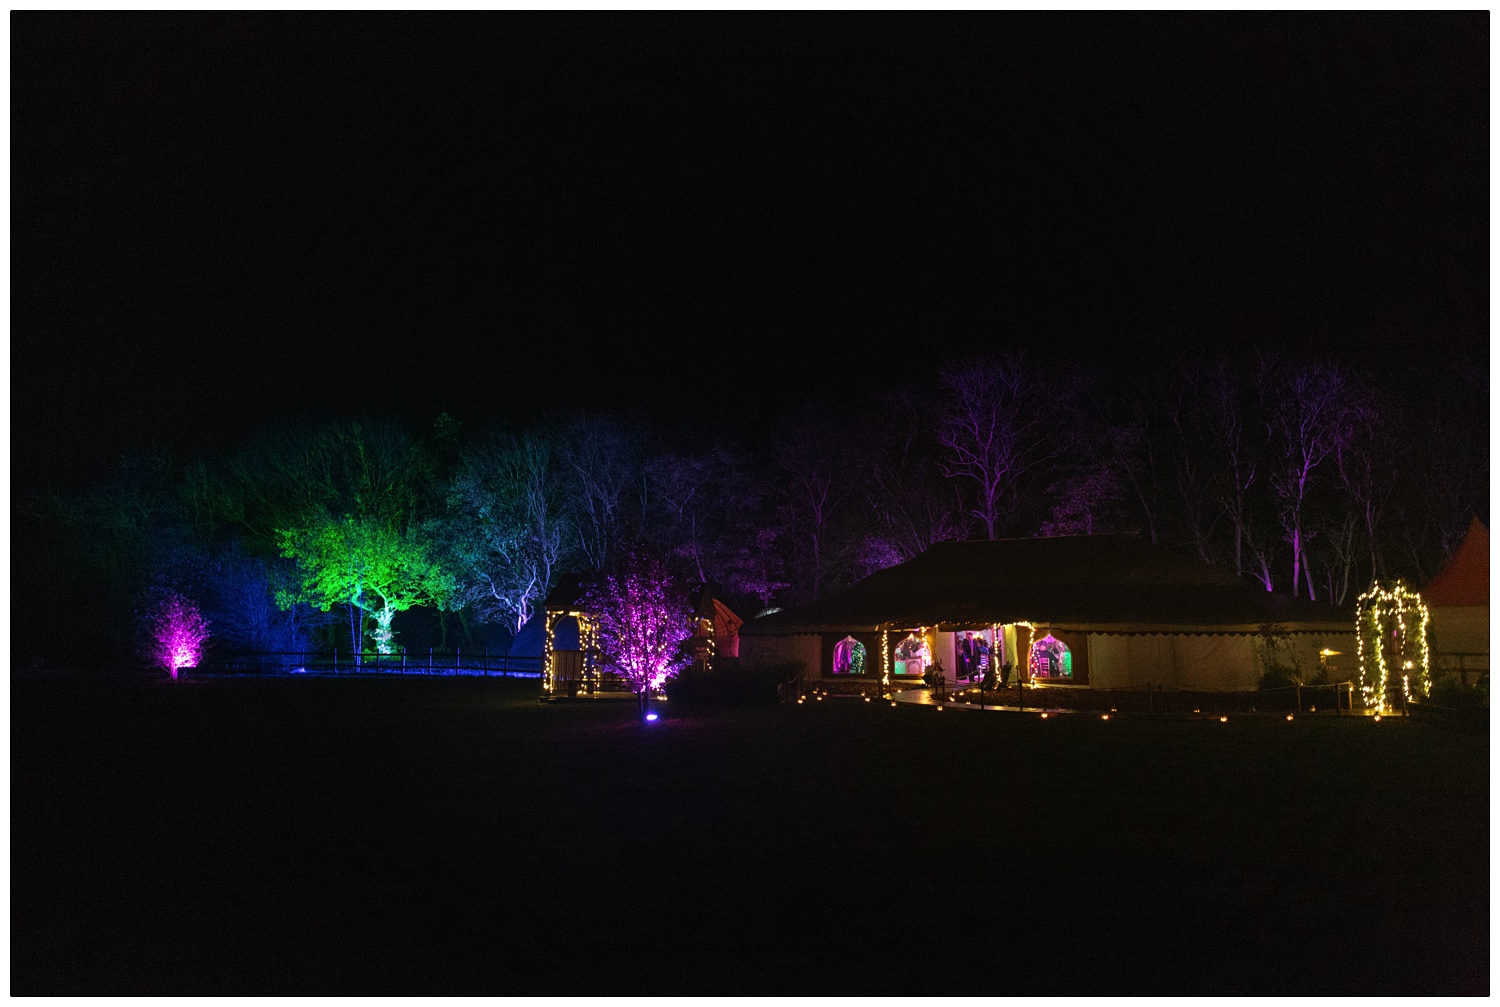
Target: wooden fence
[480, 664]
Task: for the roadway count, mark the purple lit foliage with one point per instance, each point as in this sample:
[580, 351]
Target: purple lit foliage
[995, 429]
[875, 553]
[643, 617]
[178, 632]
[910, 500]
[811, 453]
[1083, 500]
[1307, 416]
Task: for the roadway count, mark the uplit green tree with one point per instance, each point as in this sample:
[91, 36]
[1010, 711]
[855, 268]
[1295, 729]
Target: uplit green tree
[294, 477]
[365, 563]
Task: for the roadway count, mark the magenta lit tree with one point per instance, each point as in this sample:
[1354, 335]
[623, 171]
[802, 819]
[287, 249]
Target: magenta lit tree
[643, 618]
[178, 632]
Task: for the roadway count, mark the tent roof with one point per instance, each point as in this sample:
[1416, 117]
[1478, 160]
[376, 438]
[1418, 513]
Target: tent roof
[567, 594]
[1102, 580]
[1465, 579]
[726, 623]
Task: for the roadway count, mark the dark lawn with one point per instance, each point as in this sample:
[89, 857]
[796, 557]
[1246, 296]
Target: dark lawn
[455, 836]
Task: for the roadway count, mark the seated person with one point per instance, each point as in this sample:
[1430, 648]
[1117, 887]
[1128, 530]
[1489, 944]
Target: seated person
[933, 675]
[988, 681]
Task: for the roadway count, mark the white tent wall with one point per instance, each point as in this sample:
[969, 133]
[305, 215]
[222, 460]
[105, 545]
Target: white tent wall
[1219, 662]
[1176, 661]
[944, 651]
[1215, 662]
[1460, 630]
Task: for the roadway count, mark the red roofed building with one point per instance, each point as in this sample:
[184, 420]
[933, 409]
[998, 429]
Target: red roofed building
[1458, 601]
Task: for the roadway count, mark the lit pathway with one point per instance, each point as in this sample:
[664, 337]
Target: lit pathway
[924, 697]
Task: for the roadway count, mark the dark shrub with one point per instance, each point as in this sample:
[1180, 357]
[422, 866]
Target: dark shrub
[726, 682]
[1277, 677]
[1450, 692]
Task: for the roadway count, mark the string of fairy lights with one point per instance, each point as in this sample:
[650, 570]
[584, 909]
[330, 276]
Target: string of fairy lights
[588, 641]
[1376, 611]
[922, 636]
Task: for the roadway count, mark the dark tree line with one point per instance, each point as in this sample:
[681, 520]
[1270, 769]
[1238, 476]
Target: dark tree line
[1309, 477]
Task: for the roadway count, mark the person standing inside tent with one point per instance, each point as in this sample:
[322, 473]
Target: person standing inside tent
[965, 658]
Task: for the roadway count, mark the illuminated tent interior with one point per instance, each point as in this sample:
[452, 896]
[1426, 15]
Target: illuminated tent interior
[1458, 603]
[1103, 611]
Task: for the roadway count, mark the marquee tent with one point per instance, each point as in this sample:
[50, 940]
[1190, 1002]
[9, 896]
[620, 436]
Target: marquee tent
[1105, 611]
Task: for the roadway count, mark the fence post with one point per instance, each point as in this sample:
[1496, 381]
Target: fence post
[458, 660]
[1299, 697]
[429, 660]
[484, 662]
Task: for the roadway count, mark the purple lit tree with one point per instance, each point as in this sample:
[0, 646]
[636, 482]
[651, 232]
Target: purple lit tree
[995, 429]
[178, 632]
[757, 569]
[1362, 454]
[810, 452]
[1224, 434]
[1306, 416]
[913, 504]
[1082, 499]
[643, 617]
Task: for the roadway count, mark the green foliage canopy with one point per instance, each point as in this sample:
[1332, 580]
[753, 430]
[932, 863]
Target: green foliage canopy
[364, 562]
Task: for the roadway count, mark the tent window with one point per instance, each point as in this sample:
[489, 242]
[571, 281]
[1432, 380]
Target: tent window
[911, 657]
[1050, 658]
[849, 657]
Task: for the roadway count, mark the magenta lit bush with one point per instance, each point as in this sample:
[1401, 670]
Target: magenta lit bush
[643, 618]
[178, 632]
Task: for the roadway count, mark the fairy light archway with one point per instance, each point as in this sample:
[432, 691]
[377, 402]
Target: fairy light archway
[588, 642]
[1392, 618]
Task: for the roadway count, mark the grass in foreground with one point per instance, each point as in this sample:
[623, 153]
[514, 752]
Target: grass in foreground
[455, 836]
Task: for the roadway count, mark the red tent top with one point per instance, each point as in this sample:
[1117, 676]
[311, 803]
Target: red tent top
[1466, 578]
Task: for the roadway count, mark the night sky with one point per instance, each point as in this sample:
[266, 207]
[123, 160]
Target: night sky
[223, 221]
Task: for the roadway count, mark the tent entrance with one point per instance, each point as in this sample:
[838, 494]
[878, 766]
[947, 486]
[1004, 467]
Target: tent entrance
[970, 655]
